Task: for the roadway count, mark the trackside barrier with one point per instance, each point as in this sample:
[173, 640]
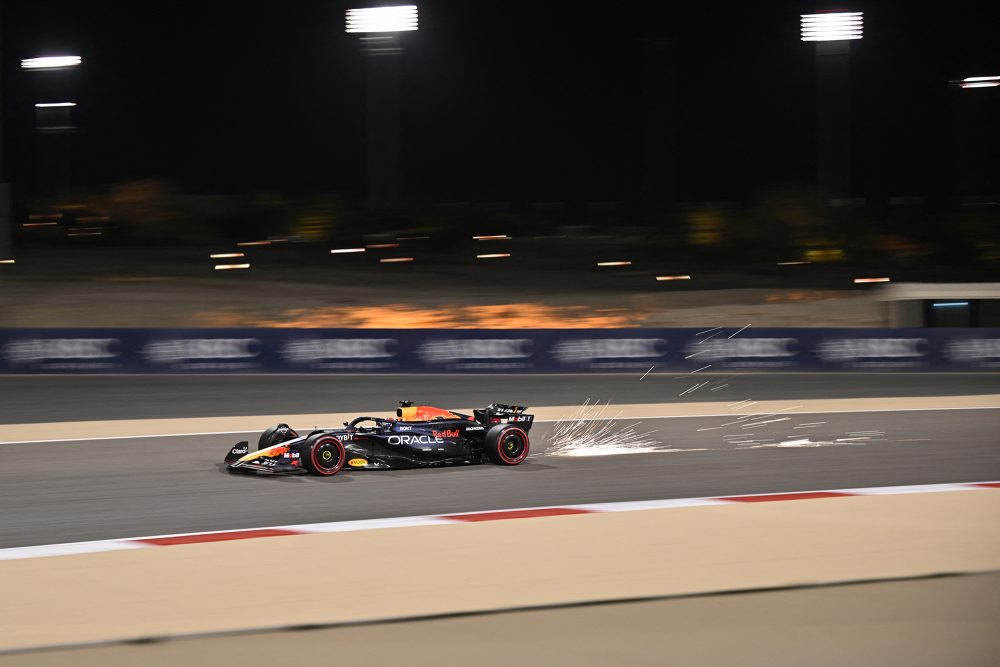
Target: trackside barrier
[506, 350]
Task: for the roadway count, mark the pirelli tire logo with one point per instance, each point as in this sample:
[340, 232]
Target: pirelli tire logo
[874, 352]
[979, 352]
[64, 353]
[609, 352]
[745, 352]
[343, 353]
[472, 353]
[204, 353]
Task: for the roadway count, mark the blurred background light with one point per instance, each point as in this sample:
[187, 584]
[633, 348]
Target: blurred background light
[225, 267]
[980, 82]
[494, 237]
[340, 251]
[391, 260]
[48, 105]
[623, 263]
[226, 255]
[50, 62]
[494, 255]
[382, 19]
[673, 277]
[871, 280]
[831, 26]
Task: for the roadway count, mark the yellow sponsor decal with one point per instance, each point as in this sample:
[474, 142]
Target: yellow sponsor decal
[358, 463]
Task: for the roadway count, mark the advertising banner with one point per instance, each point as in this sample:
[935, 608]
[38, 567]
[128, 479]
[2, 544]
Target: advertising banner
[489, 351]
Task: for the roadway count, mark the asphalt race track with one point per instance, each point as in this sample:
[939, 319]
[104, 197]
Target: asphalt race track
[26, 399]
[87, 490]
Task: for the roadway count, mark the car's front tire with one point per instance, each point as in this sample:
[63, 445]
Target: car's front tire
[507, 445]
[276, 434]
[324, 455]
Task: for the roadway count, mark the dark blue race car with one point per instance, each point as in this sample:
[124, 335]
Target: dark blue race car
[419, 436]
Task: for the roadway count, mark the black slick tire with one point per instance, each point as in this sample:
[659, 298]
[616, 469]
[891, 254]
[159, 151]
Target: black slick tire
[323, 455]
[507, 445]
[273, 435]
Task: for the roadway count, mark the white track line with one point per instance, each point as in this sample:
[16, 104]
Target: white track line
[537, 421]
[115, 544]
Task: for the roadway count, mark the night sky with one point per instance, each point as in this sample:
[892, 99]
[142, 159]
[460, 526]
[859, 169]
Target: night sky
[511, 102]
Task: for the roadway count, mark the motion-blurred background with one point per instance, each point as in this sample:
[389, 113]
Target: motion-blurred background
[730, 254]
[501, 154]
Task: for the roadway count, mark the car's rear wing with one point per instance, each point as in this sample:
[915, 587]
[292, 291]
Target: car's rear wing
[499, 413]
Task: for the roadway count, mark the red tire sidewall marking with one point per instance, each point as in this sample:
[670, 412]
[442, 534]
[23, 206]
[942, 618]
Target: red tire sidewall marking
[503, 436]
[319, 468]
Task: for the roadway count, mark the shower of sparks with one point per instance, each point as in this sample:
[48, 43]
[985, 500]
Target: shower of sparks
[851, 438]
[701, 369]
[694, 388]
[708, 338]
[647, 373]
[732, 422]
[765, 415]
[738, 331]
[588, 432]
[756, 415]
[764, 423]
[805, 442]
[707, 331]
[719, 387]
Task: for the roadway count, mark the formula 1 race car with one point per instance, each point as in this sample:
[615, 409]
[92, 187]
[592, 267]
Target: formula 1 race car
[419, 436]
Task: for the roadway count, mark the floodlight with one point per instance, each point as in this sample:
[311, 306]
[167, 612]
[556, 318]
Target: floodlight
[832, 26]
[382, 19]
[980, 82]
[50, 62]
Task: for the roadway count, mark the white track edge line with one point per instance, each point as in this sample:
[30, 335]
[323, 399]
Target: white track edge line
[114, 544]
[537, 421]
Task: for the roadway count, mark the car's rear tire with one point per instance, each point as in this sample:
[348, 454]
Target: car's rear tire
[323, 455]
[507, 445]
[275, 434]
